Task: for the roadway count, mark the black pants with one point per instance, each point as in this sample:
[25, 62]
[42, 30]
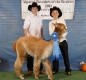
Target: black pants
[55, 65]
[30, 63]
[64, 50]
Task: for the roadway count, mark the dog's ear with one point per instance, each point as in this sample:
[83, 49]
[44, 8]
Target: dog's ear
[56, 24]
[53, 24]
[57, 27]
[63, 27]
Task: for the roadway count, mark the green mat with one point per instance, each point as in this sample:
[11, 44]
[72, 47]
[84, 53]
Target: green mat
[76, 75]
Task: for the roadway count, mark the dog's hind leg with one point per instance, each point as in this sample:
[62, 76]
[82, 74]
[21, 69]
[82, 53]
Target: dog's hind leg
[36, 67]
[18, 67]
[21, 54]
[48, 69]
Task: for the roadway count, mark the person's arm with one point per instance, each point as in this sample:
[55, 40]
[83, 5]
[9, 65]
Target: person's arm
[26, 26]
[64, 35]
[26, 32]
[51, 28]
[42, 32]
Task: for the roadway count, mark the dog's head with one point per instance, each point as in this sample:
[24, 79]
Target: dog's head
[60, 28]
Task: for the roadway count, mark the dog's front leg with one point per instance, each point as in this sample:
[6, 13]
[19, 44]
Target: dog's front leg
[36, 67]
[48, 69]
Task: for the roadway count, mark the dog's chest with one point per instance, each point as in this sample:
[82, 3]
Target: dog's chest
[47, 52]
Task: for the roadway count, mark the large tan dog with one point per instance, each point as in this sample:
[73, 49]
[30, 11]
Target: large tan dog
[36, 47]
[39, 49]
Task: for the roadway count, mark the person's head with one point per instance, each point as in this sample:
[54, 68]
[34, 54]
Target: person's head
[55, 12]
[34, 8]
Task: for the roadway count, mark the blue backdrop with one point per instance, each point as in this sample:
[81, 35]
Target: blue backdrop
[11, 29]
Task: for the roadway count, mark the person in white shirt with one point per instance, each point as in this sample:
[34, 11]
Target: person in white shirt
[56, 14]
[33, 27]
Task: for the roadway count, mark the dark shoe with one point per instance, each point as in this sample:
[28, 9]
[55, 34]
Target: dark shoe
[29, 73]
[54, 72]
[68, 72]
[42, 72]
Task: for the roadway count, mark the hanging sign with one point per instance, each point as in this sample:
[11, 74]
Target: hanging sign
[66, 6]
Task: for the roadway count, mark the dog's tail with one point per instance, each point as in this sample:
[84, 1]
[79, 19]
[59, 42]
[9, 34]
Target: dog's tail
[14, 46]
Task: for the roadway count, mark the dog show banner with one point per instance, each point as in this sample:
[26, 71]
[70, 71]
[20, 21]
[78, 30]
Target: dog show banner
[66, 6]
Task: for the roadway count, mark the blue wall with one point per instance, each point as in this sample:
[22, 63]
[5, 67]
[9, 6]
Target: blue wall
[11, 29]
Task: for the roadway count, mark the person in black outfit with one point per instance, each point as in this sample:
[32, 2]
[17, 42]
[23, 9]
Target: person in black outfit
[56, 14]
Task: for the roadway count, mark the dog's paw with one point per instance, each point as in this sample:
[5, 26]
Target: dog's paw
[36, 77]
[21, 77]
[50, 78]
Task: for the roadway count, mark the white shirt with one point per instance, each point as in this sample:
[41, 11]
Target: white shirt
[34, 23]
[52, 28]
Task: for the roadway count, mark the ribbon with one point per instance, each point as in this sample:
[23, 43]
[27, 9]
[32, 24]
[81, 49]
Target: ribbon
[56, 50]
